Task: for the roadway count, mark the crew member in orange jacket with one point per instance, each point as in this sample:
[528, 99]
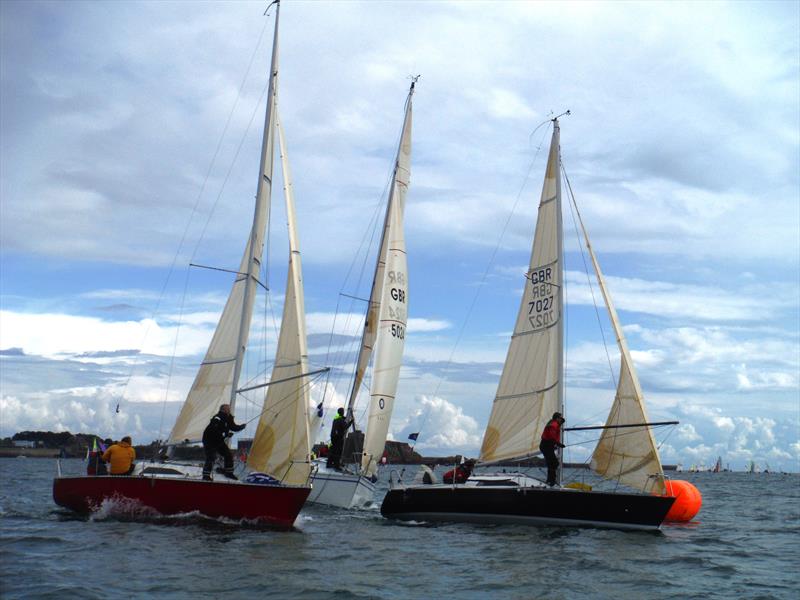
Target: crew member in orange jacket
[121, 457]
[551, 439]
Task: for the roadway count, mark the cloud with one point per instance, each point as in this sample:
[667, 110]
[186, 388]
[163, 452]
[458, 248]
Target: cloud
[443, 426]
[686, 301]
[693, 211]
[57, 334]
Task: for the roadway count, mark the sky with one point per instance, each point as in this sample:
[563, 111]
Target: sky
[129, 147]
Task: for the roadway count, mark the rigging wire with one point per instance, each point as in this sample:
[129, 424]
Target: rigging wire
[230, 169]
[354, 346]
[572, 210]
[482, 281]
[191, 218]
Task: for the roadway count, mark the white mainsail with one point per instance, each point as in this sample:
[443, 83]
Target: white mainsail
[387, 315]
[217, 378]
[281, 444]
[530, 388]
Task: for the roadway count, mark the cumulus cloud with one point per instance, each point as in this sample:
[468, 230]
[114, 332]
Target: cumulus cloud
[55, 334]
[442, 425]
[124, 119]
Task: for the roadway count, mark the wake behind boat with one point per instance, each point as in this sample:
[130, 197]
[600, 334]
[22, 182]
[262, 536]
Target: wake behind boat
[281, 446]
[530, 391]
[173, 491]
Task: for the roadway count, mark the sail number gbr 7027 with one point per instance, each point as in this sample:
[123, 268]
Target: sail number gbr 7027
[542, 298]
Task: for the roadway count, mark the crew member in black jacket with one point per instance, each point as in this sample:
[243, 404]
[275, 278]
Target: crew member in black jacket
[221, 427]
[338, 432]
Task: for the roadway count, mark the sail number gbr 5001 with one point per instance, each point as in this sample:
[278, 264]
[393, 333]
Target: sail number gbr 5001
[542, 302]
[396, 307]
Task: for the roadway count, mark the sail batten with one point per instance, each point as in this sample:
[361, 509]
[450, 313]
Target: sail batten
[281, 445]
[387, 316]
[529, 391]
[630, 457]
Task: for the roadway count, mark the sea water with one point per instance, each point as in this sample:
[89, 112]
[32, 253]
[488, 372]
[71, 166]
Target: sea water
[745, 543]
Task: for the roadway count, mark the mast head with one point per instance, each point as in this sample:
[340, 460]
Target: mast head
[278, 2]
[557, 117]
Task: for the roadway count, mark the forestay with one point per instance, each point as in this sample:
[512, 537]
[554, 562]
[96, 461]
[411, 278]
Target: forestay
[281, 444]
[630, 455]
[219, 372]
[390, 288]
[529, 391]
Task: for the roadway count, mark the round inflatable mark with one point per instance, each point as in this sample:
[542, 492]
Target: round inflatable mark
[688, 500]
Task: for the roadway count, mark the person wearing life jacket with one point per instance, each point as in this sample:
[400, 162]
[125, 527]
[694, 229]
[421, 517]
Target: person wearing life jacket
[216, 432]
[460, 474]
[338, 432]
[120, 457]
[551, 439]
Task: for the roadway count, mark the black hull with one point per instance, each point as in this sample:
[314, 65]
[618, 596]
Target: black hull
[533, 506]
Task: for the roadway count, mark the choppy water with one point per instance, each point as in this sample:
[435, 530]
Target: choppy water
[745, 544]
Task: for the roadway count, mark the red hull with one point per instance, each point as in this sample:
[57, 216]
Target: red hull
[274, 505]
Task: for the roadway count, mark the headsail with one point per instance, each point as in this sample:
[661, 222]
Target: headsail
[281, 444]
[388, 310]
[530, 391]
[630, 455]
[218, 375]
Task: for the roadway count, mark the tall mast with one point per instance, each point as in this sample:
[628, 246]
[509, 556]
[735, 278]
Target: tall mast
[370, 331]
[560, 244]
[263, 194]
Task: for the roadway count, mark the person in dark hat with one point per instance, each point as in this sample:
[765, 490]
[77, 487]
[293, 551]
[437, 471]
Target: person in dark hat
[551, 439]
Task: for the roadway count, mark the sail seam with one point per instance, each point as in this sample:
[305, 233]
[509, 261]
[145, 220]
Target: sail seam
[218, 362]
[545, 328]
[522, 395]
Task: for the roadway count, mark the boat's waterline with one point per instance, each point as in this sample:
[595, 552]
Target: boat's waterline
[526, 505]
[340, 488]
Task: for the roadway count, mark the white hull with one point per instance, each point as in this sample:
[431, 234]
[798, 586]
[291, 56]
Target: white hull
[340, 489]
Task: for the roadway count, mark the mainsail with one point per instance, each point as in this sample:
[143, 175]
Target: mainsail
[387, 314]
[530, 388]
[218, 376]
[281, 444]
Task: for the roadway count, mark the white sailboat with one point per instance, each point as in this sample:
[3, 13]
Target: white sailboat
[384, 331]
[281, 445]
[530, 390]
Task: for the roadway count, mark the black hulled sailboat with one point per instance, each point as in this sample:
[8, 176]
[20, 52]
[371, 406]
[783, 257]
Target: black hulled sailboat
[530, 391]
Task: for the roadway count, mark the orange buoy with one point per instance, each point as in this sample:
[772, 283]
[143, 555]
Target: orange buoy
[688, 500]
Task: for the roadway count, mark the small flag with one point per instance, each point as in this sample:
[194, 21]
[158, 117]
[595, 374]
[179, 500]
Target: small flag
[413, 436]
[319, 410]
